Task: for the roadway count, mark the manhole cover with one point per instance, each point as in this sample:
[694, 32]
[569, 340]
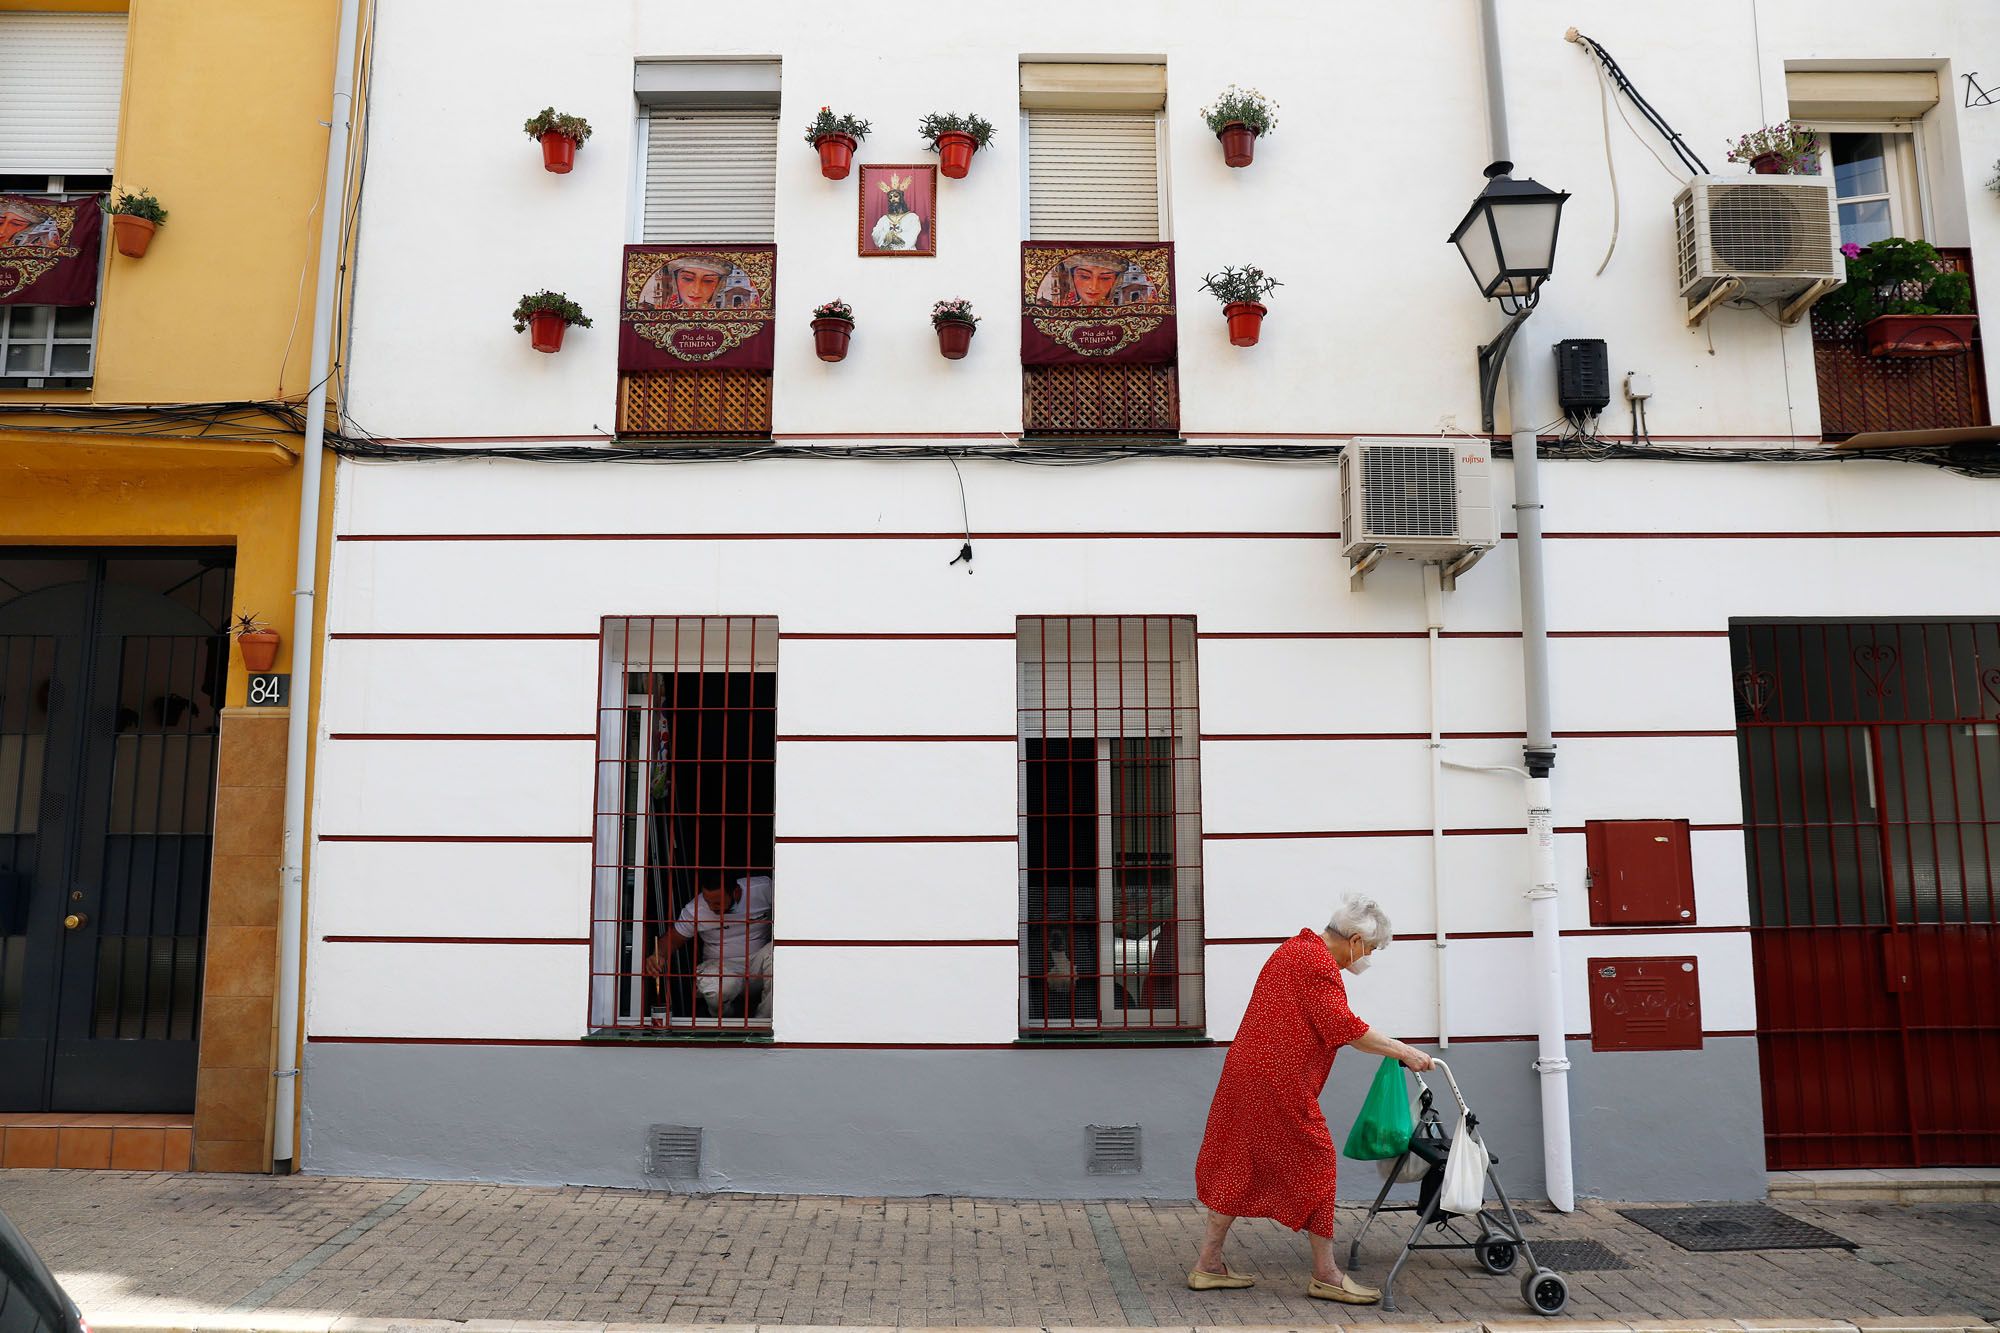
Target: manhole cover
[1749, 1226]
[1578, 1256]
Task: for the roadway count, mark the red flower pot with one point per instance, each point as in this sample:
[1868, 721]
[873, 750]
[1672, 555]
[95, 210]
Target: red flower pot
[1768, 164]
[545, 331]
[558, 152]
[1246, 319]
[955, 150]
[830, 337]
[836, 155]
[1239, 143]
[133, 234]
[1907, 336]
[954, 338]
[259, 648]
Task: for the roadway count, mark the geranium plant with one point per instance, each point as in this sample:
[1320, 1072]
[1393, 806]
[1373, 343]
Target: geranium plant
[137, 204]
[1795, 147]
[940, 123]
[957, 310]
[548, 303]
[1242, 106]
[834, 309]
[550, 121]
[1895, 276]
[826, 123]
[1238, 286]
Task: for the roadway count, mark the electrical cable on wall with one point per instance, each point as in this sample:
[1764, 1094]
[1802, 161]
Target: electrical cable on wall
[1625, 85]
[965, 513]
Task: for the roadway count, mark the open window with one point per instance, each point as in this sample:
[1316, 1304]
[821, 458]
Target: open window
[683, 894]
[1110, 800]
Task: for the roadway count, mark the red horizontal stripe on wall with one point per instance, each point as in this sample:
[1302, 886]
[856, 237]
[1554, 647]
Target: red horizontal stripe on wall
[460, 736]
[1449, 735]
[454, 837]
[896, 837]
[450, 939]
[893, 636]
[1805, 535]
[992, 739]
[711, 1044]
[985, 536]
[899, 944]
[472, 637]
[1367, 833]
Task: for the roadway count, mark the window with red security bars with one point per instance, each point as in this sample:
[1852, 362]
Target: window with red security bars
[1109, 789]
[682, 891]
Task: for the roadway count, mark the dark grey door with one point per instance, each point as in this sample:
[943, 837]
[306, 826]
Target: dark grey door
[112, 667]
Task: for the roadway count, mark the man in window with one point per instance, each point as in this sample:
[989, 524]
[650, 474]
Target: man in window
[732, 921]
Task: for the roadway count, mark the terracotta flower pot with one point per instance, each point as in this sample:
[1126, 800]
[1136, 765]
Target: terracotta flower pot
[1246, 319]
[1909, 336]
[558, 152]
[1239, 143]
[1768, 164]
[830, 337]
[259, 648]
[836, 155]
[133, 234]
[955, 150]
[955, 337]
[545, 331]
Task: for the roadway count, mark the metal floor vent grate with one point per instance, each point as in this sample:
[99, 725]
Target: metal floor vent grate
[674, 1151]
[1578, 1256]
[1747, 1226]
[1114, 1149]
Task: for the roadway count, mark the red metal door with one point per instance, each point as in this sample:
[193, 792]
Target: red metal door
[1870, 759]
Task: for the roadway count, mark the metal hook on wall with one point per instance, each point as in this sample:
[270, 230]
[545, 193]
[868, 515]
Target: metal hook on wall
[1983, 98]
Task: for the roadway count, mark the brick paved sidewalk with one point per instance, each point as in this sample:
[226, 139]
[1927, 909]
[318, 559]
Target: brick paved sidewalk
[184, 1244]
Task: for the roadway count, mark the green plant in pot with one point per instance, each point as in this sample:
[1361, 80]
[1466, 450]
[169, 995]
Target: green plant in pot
[1783, 149]
[561, 135]
[1242, 292]
[546, 316]
[955, 138]
[832, 326]
[134, 218]
[955, 324]
[1239, 118]
[1907, 301]
[836, 138]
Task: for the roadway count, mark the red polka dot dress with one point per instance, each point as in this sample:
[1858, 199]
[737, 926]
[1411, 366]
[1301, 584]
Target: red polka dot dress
[1266, 1152]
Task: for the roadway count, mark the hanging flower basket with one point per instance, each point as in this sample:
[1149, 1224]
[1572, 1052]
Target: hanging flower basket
[134, 219]
[1239, 118]
[955, 324]
[1239, 144]
[545, 331]
[545, 316]
[833, 325]
[1241, 291]
[560, 135]
[258, 643]
[1784, 149]
[955, 138]
[1246, 321]
[836, 138]
[1915, 336]
[1768, 164]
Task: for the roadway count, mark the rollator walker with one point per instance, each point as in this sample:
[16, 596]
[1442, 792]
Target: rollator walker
[1499, 1244]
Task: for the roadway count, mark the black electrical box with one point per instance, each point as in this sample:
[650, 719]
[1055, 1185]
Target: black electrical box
[1583, 377]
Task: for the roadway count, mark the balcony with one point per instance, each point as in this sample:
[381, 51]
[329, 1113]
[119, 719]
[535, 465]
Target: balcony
[1098, 340]
[48, 346]
[695, 342]
[1861, 394]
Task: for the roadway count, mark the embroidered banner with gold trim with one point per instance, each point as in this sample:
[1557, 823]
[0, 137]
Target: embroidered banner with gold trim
[49, 249]
[1104, 301]
[697, 307]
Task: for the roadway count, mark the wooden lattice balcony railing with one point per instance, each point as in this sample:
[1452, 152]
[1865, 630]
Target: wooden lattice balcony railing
[694, 404]
[1112, 399]
[1858, 392]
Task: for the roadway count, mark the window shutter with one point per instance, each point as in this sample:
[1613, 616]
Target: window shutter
[1084, 677]
[60, 78]
[1093, 177]
[711, 177]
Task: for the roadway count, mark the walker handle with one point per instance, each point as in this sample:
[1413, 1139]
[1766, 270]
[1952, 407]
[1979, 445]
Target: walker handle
[1457, 1096]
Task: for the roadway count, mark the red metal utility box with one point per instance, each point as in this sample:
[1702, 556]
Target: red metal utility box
[1641, 873]
[1645, 1004]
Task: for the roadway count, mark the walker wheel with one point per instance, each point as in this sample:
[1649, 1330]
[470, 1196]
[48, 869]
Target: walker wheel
[1545, 1292]
[1497, 1255]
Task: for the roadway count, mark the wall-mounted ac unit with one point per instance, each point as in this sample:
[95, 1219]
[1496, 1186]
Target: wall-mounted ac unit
[1757, 238]
[1418, 499]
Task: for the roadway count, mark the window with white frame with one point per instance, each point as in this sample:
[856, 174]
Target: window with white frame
[708, 152]
[46, 346]
[683, 899]
[1875, 180]
[1110, 825]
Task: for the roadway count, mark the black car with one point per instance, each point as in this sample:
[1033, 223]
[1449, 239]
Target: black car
[31, 1300]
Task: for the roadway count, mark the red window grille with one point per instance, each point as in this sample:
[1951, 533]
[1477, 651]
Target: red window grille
[1110, 825]
[683, 899]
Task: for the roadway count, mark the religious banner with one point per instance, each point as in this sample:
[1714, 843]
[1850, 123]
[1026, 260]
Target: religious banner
[1097, 302]
[697, 307]
[49, 249]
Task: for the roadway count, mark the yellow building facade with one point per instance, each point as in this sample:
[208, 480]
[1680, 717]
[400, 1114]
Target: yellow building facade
[149, 494]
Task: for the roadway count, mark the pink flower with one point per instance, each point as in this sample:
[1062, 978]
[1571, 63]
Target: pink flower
[1850, 249]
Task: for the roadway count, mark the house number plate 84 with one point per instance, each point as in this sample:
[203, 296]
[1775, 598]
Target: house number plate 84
[270, 689]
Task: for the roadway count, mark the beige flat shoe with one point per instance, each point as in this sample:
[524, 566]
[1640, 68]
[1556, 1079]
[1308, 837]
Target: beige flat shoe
[1223, 1281]
[1349, 1292]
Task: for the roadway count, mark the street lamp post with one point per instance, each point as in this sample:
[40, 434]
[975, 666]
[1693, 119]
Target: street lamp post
[1508, 241]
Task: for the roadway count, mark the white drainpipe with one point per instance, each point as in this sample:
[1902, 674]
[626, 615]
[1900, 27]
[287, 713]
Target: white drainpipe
[291, 881]
[1434, 620]
[1552, 1047]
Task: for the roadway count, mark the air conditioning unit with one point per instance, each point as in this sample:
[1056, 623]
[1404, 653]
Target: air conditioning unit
[1419, 499]
[1757, 238]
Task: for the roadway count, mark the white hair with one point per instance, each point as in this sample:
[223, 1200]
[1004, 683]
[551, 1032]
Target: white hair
[1358, 914]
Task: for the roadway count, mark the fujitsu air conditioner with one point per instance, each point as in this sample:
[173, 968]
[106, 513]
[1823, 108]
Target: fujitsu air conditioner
[1427, 500]
[1764, 239]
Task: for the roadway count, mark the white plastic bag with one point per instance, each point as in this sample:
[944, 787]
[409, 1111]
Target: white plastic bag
[1413, 1170]
[1464, 1190]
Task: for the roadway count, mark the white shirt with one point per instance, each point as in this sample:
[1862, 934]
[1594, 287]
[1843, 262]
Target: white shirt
[909, 228]
[729, 938]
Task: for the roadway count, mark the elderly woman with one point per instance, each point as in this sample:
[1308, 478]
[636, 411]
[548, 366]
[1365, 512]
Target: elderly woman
[1266, 1152]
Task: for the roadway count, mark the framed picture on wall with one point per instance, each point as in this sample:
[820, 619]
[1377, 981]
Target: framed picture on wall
[899, 210]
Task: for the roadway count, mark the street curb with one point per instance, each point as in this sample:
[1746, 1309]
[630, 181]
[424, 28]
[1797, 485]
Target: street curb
[116, 1322]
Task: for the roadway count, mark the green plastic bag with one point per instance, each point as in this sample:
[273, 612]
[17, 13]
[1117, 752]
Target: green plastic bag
[1384, 1127]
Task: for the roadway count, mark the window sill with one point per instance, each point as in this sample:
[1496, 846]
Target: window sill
[671, 1037]
[1092, 437]
[1059, 1040]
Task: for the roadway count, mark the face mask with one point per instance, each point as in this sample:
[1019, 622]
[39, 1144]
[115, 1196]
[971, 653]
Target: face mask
[1359, 965]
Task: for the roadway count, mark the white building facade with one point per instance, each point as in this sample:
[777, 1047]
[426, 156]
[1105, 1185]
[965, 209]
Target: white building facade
[1028, 824]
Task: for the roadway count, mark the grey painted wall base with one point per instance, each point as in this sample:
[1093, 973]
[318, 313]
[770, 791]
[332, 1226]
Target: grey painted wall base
[995, 1124]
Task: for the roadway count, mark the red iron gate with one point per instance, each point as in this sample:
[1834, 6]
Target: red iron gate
[1870, 758]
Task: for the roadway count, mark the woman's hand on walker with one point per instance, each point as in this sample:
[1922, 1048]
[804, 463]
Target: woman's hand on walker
[1415, 1060]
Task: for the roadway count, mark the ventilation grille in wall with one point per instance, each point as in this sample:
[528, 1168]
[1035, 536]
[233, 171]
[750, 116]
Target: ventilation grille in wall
[673, 1151]
[1114, 1149]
